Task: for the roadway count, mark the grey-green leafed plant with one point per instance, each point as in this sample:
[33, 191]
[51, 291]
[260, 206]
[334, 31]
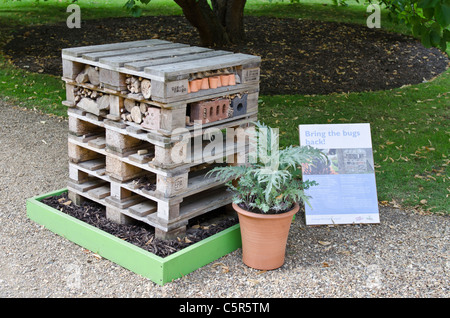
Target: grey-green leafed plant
[272, 182]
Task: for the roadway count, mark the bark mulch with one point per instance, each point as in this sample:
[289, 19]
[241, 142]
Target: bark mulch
[298, 56]
[141, 234]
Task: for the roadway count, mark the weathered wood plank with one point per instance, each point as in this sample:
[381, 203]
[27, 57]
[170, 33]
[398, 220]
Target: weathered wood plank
[117, 61]
[212, 63]
[143, 209]
[198, 53]
[95, 56]
[100, 192]
[79, 51]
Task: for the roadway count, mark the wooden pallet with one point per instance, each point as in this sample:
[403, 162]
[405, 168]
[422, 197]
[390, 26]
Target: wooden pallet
[170, 67]
[136, 127]
[126, 202]
[108, 164]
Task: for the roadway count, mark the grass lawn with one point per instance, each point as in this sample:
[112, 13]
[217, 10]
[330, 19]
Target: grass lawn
[410, 130]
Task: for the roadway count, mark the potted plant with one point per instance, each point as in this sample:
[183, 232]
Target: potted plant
[266, 196]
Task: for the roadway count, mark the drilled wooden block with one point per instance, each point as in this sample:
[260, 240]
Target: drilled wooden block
[210, 111]
[152, 119]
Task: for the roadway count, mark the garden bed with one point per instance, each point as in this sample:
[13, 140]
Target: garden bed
[134, 246]
[298, 56]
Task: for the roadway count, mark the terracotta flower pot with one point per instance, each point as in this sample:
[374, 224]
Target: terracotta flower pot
[195, 85]
[264, 237]
[213, 81]
[224, 79]
[205, 84]
[231, 80]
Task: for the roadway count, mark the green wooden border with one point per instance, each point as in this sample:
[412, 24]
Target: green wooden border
[159, 270]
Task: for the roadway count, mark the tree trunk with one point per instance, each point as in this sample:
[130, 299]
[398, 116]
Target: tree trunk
[231, 16]
[220, 25]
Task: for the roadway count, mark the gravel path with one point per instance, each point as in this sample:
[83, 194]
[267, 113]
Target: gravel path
[407, 255]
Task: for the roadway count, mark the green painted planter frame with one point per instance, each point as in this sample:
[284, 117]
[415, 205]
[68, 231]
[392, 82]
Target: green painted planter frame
[159, 270]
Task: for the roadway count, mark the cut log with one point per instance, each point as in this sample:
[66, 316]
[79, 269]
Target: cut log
[146, 88]
[134, 86]
[82, 77]
[136, 114]
[94, 76]
[143, 107]
[103, 102]
[129, 104]
[89, 105]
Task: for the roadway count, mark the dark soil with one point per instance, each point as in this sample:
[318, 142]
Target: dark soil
[141, 234]
[298, 56]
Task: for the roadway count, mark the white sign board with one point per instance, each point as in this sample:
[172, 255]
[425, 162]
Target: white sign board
[346, 191]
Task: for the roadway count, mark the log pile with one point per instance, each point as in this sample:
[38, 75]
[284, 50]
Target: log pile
[92, 101]
[139, 85]
[134, 111]
[90, 74]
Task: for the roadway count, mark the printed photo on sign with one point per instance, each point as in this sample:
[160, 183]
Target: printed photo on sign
[346, 190]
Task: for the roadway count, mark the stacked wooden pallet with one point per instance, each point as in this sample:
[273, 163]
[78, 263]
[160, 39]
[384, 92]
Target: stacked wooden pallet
[137, 114]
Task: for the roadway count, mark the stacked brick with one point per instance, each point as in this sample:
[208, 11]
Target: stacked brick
[135, 112]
